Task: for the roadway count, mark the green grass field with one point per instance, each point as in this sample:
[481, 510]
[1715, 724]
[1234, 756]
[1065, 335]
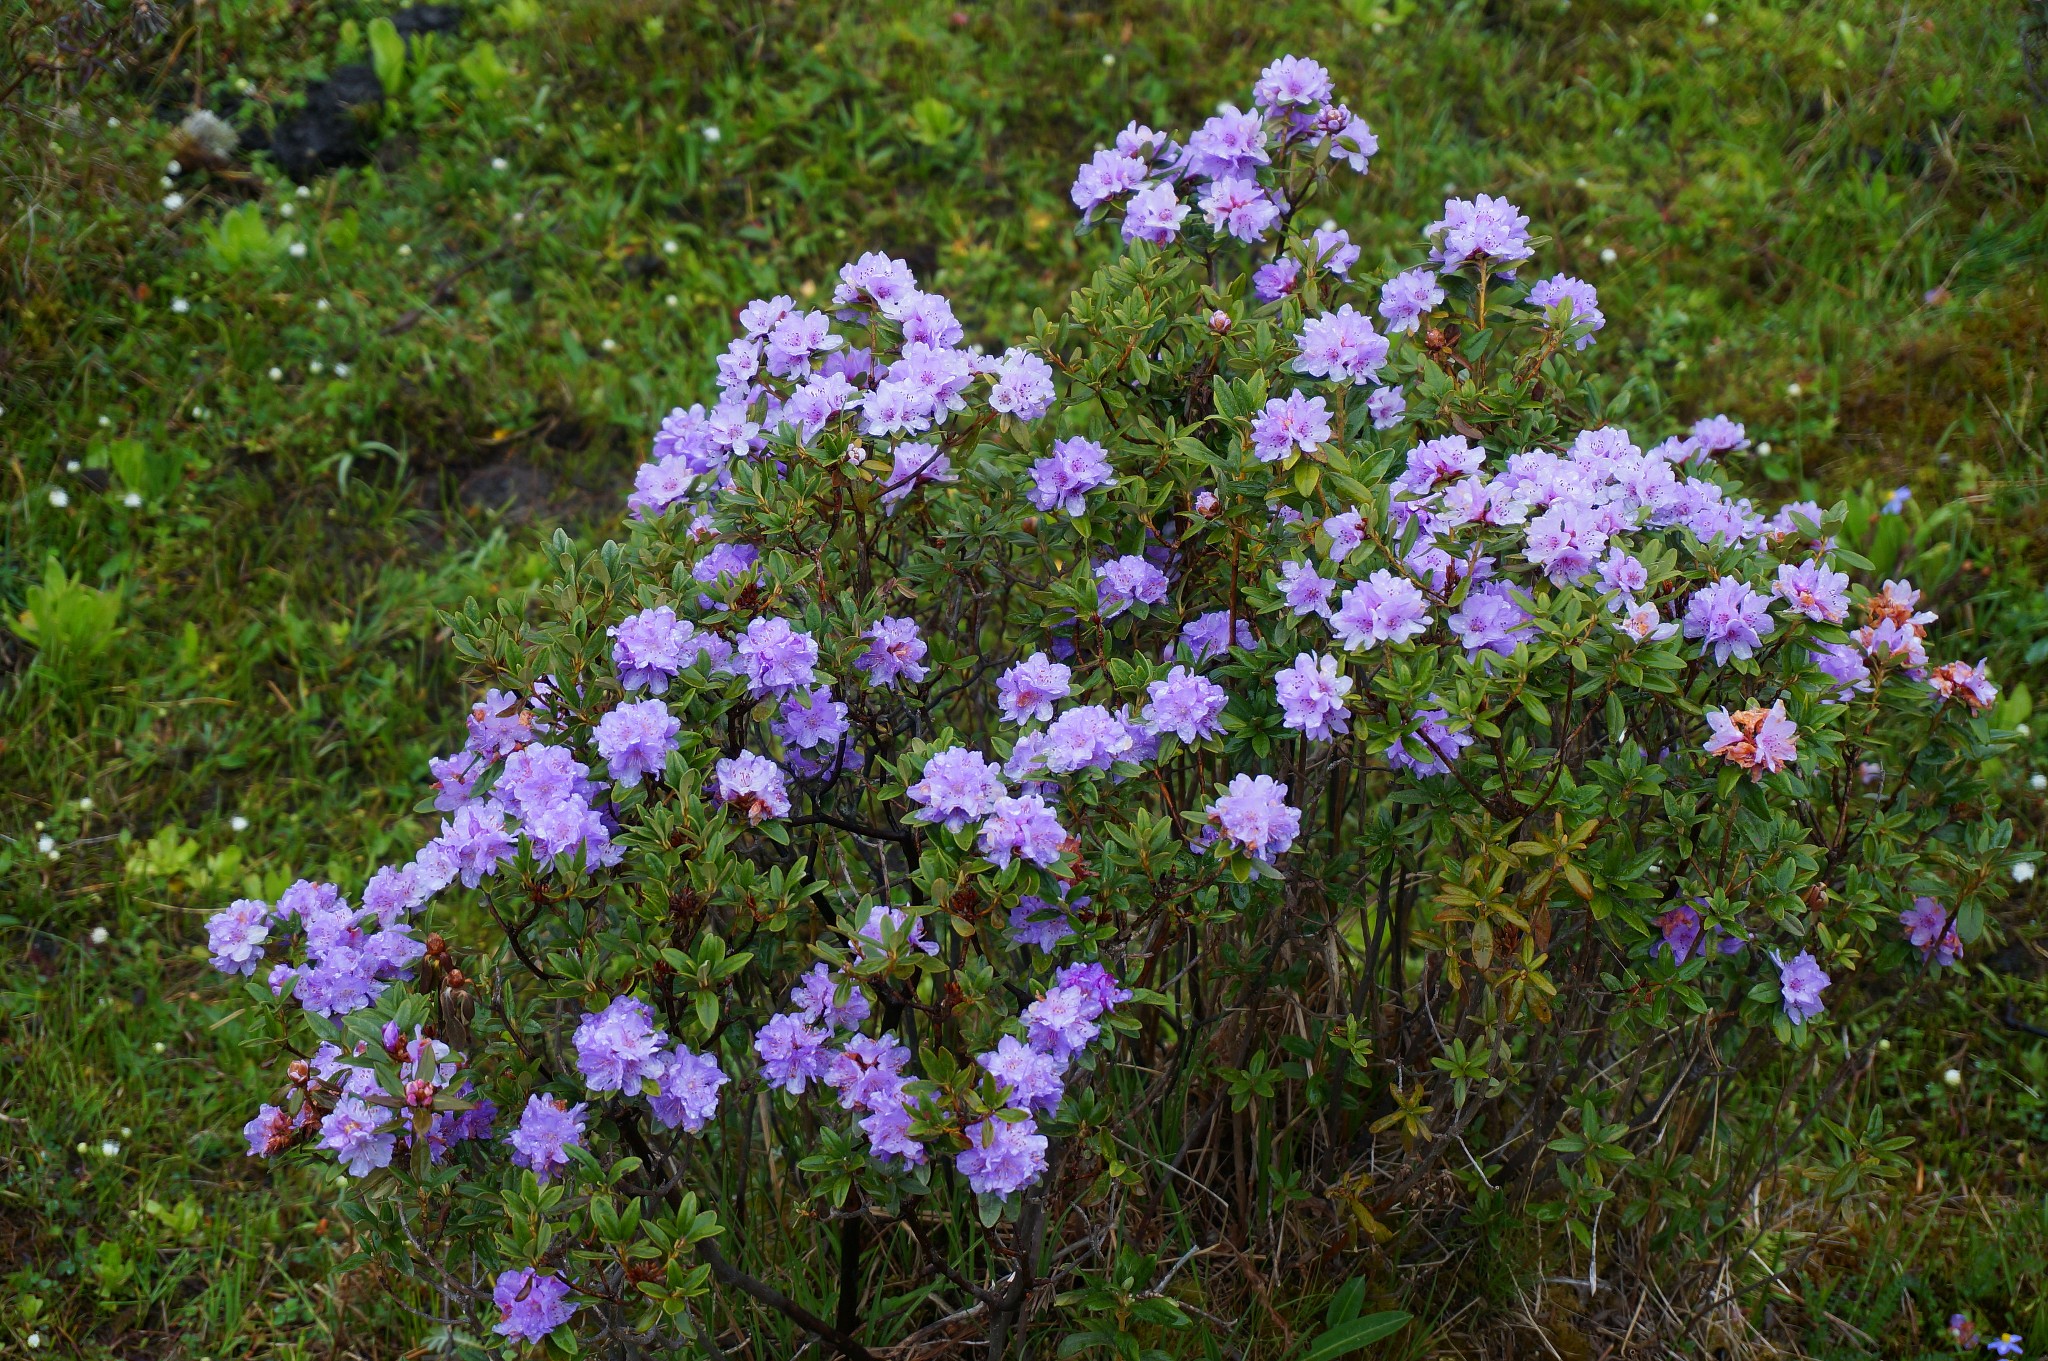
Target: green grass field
[256, 436]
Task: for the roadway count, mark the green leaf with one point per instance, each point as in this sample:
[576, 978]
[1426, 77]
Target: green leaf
[1346, 1338]
[387, 55]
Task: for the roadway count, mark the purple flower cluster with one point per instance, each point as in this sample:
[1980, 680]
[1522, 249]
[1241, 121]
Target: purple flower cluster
[1062, 479]
[1252, 815]
[895, 653]
[1311, 694]
[1224, 159]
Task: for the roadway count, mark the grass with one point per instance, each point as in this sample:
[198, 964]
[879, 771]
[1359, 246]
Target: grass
[1825, 218]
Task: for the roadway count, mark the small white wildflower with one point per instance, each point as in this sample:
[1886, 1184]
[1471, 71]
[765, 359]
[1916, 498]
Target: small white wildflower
[519, 217]
[341, 370]
[59, 497]
[1763, 448]
[164, 181]
[608, 345]
[2023, 872]
[125, 1131]
[405, 250]
[46, 843]
[158, 1047]
[53, 856]
[1608, 255]
[180, 306]
[276, 373]
[670, 247]
[1953, 1078]
[109, 1147]
[99, 937]
[198, 413]
[1793, 389]
[711, 132]
[2023, 730]
[35, 1340]
[1109, 59]
[106, 422]
[2037, 781]
[173, 168]
[132, 499]
[1710, 18]
[85, 804]
[82, 1149]
[72, 465]
[286, 210]
[173, 202]
[238, 823]
[1884, 1046]
[297, 249]
[674, 301]
[500, 163]
[1450, 186]
[320, 305]
[113, 122]
[1582, 182]
[1329, 224]
[245, 85]
[304, 192]
[316, 366]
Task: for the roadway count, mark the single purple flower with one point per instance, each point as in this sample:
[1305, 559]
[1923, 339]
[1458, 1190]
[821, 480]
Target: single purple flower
[776, 658]
[689, 1090]
[1276, 279]
[1253, 815]
[1036, 922]
[1387, 407]
[1304, 591]
[1486, 227]
[635, 739]
[1032, 1080]
[1002, 1156]
[531, 1304]
[1128, 580]
[1185, 704]
[1238, 207]
[358, 1135]
[811, 718]
[817, 997]
[1023, 826]
[1728, 618]
[895, 652]
[1288, 424]
[1583, 299]
[1756, 740]
[792, 1053]
[1062, 479]
[1029, 689]
[1431, 747]
[1062, 1022]
[868, 1073]
[1154, 214]
[1800, 982]
[1341, 346]
[753, 784]
[235, 936]
[959, 786]
[619, 1048]
[1383, 608]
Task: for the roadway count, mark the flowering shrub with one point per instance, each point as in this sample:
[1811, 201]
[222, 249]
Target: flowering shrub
[1271, 750]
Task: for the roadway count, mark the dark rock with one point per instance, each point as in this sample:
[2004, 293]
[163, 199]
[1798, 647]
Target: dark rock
[512, 488]
[330, 130]
[427, 19]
